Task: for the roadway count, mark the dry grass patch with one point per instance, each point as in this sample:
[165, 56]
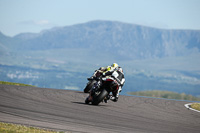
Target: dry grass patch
[11, 83]
[196, 106]
[14, 128]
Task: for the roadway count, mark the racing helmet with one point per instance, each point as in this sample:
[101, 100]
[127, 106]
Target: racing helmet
[114, 65]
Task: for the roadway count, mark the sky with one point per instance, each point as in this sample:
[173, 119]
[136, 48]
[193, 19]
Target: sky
[19, 16]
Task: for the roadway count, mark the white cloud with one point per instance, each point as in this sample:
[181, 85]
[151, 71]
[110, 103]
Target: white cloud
[42, 22]
[35, 22]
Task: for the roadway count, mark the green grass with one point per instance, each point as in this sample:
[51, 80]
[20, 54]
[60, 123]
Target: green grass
[196, 106]
[14, 128]
[165, 94]
[11, 83]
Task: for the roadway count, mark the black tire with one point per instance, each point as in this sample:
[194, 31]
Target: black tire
[96, 100]
[87, 101]
[89, 86]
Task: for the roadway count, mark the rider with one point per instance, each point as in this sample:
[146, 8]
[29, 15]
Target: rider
[109, 71]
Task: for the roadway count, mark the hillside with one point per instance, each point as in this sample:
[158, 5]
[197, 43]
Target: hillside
[63, 57]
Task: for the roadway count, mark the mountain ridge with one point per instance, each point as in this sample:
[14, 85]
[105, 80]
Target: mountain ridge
[128, 40]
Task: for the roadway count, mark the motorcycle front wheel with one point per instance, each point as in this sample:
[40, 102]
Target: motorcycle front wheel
[99, 98]
[89, 86]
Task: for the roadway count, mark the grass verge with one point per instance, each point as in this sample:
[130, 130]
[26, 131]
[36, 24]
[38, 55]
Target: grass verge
[14, 128]
[11, 83]
[195, 106]
[165, 94]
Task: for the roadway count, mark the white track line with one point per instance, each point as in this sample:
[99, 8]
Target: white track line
[188, 106]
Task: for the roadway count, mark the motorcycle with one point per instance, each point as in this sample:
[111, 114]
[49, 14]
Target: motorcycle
[101, 90]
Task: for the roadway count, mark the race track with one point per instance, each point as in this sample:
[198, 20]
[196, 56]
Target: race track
[64, 110]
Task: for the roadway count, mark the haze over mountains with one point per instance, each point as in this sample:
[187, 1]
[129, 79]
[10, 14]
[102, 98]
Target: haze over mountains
[155, 53]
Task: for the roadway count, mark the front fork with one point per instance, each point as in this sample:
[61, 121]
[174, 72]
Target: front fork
[95, 89]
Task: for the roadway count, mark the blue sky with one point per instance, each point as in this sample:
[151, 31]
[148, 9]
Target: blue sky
[17, 16]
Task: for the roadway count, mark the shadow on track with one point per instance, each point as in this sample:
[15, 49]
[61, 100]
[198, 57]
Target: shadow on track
[87, 104]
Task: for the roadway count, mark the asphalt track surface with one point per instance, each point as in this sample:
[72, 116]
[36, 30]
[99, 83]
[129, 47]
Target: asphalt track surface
[65, 110]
